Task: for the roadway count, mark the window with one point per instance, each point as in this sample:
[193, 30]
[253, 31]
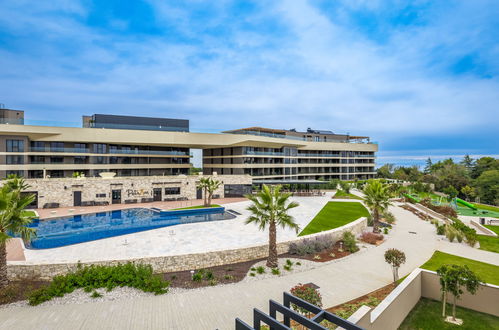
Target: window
[99, 148]
[56, 174]
[16, 173]
[172, 191]
[57, 146]
[15, 146]
[80, 159]
[100, 195]
[15, 159]
[57, 160]
[80, 147]
[37, 146]
[37, 159]
[317, 138]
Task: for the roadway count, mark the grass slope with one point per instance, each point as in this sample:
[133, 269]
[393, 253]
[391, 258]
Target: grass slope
[427, 314]
[495, 229]
[341, 194]
[488, 273]
[334, 215]
[488, 243]
[29, 213]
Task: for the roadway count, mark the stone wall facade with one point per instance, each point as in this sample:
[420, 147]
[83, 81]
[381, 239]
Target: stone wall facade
[184, 262]
[61, 190]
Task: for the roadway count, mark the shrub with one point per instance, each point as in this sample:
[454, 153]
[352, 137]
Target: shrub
[440, 229]
[385, 231]
[459, 237]
[276, 271]
[309, 294]
[253, 269]
[252, 274]
[389, 217]
[349, 242]
[260, 269]
[209, 276]
[197, 276]
[450, 233]
[467, 232]
[311, 245]
[287, 267]
[213, 282]
[228, 277]
[370, 237]
[136, 276]
[96, 294]
[289, 262]
[442, 209]
[298, 263]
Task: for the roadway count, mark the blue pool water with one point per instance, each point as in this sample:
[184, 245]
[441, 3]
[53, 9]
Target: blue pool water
[89, 227]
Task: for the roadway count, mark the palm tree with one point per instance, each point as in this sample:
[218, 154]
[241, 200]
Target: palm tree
[211, 186]
[13, 219]
[270, 208]
[203, 184]
[377, 200]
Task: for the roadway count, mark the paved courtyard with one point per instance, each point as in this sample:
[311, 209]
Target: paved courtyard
[179, 239]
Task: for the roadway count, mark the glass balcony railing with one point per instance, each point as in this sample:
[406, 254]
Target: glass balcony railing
[111, 151]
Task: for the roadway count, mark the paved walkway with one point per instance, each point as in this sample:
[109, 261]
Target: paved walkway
[217, 307]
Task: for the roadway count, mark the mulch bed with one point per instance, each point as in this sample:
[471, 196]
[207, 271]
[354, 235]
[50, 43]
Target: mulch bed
[379, 294]
[19, 290]
[225, 274]
[421, 215]
[325, 255]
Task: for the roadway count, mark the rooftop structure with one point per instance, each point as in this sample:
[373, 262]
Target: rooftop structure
[134, 122]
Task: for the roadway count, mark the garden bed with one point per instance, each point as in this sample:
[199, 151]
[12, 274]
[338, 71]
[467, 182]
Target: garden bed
[325, 255]
[19, 290]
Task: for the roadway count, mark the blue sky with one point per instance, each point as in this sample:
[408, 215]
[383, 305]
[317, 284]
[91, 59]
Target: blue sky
[419, 77]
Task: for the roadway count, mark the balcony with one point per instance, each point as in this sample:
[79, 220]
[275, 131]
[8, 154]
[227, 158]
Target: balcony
[111, 151]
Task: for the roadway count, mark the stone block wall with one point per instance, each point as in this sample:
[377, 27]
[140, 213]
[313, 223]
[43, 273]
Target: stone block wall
[17, 270]
[60, 190]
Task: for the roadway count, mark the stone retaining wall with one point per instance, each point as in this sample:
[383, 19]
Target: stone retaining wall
[181, 262]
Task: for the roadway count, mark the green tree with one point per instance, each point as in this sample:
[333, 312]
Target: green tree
[345, 186]
[385, 171]
[451, 174]
[487, 186]
[395, 258]
[451, 191]
[468, 163]
[377, 200]
[269, 208]
[428, 166]
[468, 192]
[211, 186]
[453, 278]
[484, 164]
[203, 184]
[13, 219]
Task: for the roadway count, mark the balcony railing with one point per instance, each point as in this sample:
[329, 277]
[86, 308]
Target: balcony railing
[111, 151]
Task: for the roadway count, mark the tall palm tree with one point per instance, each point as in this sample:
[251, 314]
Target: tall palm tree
[270, 208]
[377, 200]
[13, 219]
[211, 187]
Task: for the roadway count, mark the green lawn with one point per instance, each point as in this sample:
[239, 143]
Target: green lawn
[489, 243]
[342, 194]
[427, 314]
[488, 273]
[487, 207]
[29, 213]
[495, 229]
[334, 215]
[196, 207]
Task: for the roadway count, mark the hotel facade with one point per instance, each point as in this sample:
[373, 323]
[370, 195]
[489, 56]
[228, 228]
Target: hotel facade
[140, 147]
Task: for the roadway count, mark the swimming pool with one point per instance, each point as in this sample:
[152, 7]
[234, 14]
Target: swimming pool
[75, 229]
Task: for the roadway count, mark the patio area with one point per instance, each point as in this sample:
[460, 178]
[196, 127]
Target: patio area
[174, 240]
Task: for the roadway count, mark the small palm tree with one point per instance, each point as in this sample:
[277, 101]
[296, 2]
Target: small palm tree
[211, 187]
[13, 220]
[203, 184]
[270, 208]
[377, 200]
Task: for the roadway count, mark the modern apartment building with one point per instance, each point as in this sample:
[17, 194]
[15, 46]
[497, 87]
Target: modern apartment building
[139, 146]
[294, 155]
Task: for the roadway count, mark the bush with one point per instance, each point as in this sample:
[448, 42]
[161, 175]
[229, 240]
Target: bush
[96, 294]
[442, 209]
[389, 217]
[370, 237]
[276, 271]
[309, 294]
[136, 276]
[260, 269]
[440, 229]
[311, 245]
[349, 242]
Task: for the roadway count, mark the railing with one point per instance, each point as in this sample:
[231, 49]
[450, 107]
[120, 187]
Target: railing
[111, 151]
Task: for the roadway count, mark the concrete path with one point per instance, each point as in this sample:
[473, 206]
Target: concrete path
[217, 307]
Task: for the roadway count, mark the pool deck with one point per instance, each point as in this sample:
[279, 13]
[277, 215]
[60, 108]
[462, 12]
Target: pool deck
[173, 240]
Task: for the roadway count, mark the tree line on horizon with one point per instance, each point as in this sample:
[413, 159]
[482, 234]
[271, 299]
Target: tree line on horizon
[471, 179]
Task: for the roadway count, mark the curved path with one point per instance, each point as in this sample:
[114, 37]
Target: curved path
[217, 307]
